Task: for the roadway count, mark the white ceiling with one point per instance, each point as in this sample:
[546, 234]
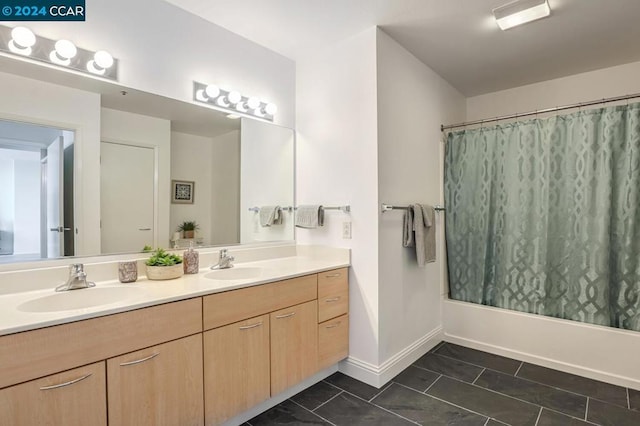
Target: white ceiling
[456, 38]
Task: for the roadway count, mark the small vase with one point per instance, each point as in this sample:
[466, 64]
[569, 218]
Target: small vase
[164, 272]
[188, 234]
[128, 271]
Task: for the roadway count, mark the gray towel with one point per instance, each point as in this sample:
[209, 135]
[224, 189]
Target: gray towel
[310, 216]
[418, 229]
[270, 215]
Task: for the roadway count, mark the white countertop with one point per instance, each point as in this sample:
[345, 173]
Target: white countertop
[14, 317]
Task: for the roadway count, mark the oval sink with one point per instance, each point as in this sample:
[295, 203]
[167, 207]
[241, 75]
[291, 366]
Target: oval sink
[235, 273]
[79, 299]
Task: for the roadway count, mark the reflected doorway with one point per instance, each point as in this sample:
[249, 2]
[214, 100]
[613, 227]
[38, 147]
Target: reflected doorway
[36, 192]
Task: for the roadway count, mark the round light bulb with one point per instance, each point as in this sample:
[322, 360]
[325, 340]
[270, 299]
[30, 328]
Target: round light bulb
[212, 91]
[66, 49]
[253, 103]
[234, 97]
[271, 109]
[103, 59]
[23, 37]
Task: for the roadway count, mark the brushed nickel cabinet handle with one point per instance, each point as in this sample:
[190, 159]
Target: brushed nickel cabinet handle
[69, 383]
[144, 229]
[246, 327]
[285, 315]
[333, 299]
[337, 324]
[138, 361]
[333, 275]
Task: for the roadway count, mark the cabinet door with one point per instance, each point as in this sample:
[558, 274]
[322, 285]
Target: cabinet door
[236, 368]
[294, 345]
[333, 341]
[161, 385]
[75, 397]
[333, 294]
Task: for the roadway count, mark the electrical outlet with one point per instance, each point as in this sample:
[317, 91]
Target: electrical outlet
[346, 230]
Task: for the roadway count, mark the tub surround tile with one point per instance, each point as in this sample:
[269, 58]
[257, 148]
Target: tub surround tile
[581, 385]
[416, 378]
[551, 418]
[485, 402]
[348, 410]
[424, 409]
[449, 367]
[546, 396]
[311, 398]
[353, 386]
[611, 415]
[287, 413]
[482, 359]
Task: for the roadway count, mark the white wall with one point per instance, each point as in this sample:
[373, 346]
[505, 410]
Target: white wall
[413, 101]
[336, 164]
[225, 188]
[27, 204]
[266, 179]
[7, 201]
[141, 130]
[62, 107]
[566, 345]
[191, 160]
[162, 49]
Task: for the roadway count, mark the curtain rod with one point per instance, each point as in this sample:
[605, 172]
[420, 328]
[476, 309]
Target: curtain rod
[540, 111]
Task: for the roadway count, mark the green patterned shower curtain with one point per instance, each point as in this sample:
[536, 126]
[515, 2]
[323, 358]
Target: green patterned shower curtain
[543, 216]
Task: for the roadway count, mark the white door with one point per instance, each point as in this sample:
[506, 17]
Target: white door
[126, 197]
[55, 199]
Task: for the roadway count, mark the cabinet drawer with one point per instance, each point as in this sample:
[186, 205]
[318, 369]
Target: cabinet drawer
[32, 354]
[75, 397]
[333, 341]
[237, 305]
[333, 294]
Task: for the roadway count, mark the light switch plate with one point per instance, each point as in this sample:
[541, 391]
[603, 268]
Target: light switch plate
[346, 230]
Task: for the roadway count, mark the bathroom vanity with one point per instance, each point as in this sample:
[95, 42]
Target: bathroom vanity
[197, 350]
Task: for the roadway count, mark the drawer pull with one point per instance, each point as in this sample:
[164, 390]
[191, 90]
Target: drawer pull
[138, 361]
[246, 327]
[337, 324]
[61, 385]
[333, 299]
[333, 275]
[285, 315]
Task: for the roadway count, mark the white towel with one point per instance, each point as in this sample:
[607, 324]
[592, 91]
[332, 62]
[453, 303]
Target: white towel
[310, 216]
[270, 215]
[419, 231]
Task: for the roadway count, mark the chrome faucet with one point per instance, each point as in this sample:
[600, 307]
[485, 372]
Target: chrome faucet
[224, 262]
[77, 279]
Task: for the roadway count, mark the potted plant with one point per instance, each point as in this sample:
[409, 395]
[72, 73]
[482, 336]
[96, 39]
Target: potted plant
[164, 266]
[188, 228]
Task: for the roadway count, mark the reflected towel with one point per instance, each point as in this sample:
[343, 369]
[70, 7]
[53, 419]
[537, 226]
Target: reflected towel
[310, 216]
[419, 231]
[270, 215]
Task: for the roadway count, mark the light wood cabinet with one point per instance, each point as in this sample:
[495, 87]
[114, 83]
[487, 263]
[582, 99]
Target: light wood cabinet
[236, 368]
[333, 294]
[294, 345]
[75, 397]
[333, 341]
[160, 385]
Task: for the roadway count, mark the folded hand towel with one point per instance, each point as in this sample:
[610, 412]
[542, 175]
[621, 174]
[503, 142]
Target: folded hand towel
[419, 230]
[270, 215]
[310, 216]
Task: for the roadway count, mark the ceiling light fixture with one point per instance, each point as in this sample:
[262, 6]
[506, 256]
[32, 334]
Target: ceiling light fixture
[233, 101]
[520, 12]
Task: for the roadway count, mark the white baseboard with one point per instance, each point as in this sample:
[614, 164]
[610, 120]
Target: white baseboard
[601, 353]
[378, 376]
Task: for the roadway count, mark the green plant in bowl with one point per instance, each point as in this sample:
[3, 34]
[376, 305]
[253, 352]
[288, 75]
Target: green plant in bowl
[163, 265]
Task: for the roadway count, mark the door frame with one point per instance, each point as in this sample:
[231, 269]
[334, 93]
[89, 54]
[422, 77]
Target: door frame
[156, 179]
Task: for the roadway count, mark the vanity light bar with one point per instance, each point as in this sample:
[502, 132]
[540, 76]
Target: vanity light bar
[22, 42]
[233, 101]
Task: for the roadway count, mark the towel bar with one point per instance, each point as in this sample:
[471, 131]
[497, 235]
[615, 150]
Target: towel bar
[387, 207]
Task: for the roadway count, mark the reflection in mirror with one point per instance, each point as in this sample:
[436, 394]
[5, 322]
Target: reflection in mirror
[118, 153]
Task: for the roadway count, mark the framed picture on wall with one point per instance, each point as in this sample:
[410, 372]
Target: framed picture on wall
[182, 191]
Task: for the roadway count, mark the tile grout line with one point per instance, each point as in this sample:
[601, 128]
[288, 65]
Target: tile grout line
[539, 414]
[467, 362]
[330, 399]
[628, 402]
[382, 390]
[431, 385]
[518, 370]
[487, 421]
[382, 408]
[474, 382]
[586, 410]
[315, 414]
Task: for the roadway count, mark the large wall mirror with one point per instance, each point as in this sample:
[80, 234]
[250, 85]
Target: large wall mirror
[89, 167]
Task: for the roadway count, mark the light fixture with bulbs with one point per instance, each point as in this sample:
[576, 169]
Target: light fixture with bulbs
[233, 101]
[521, 12]
[22, 42]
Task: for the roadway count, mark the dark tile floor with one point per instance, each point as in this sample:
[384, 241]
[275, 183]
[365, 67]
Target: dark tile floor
[455, 385]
